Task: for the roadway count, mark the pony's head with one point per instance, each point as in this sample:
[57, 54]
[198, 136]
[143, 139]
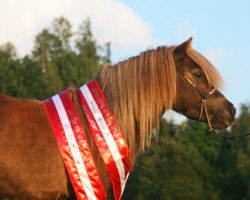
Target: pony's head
[197, 94]
[142, 87]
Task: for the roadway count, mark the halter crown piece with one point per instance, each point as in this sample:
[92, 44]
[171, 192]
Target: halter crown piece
[72, 142]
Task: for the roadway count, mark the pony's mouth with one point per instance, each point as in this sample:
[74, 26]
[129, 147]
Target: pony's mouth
[218, 121]
[221, 123]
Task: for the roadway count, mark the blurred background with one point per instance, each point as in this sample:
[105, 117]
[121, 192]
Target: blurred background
[45, 46]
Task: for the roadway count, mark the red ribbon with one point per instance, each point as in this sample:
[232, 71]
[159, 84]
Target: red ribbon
[73, 144]
[107, 135]
[74, 148]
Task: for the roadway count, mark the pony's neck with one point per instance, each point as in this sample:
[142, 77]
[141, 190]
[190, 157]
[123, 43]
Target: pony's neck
[138, 91]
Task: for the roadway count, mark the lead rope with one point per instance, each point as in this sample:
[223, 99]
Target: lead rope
[204, 107]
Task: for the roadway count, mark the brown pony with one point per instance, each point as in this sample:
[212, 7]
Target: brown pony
[138, 91]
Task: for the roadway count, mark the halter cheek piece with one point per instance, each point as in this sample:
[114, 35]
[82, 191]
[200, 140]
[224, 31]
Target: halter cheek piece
[203, 102]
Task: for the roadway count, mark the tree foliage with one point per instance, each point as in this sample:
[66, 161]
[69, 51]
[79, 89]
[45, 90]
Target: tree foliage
[190, 163]
[60, 58]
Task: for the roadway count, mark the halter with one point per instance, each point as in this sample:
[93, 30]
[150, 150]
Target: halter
[203, 102]
[204, 107]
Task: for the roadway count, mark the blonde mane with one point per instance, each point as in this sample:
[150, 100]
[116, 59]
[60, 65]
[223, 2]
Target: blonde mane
[138, 91]
[141, 88]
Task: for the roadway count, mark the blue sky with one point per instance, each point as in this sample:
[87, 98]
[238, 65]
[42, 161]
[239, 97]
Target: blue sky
[220, 29]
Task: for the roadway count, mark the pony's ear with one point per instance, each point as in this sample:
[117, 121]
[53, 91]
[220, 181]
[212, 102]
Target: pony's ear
[181, 50]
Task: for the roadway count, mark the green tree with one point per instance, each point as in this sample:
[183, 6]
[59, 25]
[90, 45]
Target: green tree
[107, 53]
[8, 77]
[242, 152]
[53, 65]
[174, 168]
[85, 43]
[9, 49]
[19, 77]
[62, 29]
[87, 51]
[46, 49]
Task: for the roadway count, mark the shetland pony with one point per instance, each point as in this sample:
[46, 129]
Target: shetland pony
[138, 91]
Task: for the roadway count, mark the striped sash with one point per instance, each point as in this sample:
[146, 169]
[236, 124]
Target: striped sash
[107, 135]
[74, 148]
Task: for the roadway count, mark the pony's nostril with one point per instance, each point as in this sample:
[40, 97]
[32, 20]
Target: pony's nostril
[233, 111]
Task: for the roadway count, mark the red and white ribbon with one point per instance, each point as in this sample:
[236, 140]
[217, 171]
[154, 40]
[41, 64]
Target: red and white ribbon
[74, 148]
[107, 135]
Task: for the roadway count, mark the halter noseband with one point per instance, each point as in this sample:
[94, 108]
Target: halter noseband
[203, 101]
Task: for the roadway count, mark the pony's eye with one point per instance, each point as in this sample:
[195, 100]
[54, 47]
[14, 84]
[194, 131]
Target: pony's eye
[198, 75]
